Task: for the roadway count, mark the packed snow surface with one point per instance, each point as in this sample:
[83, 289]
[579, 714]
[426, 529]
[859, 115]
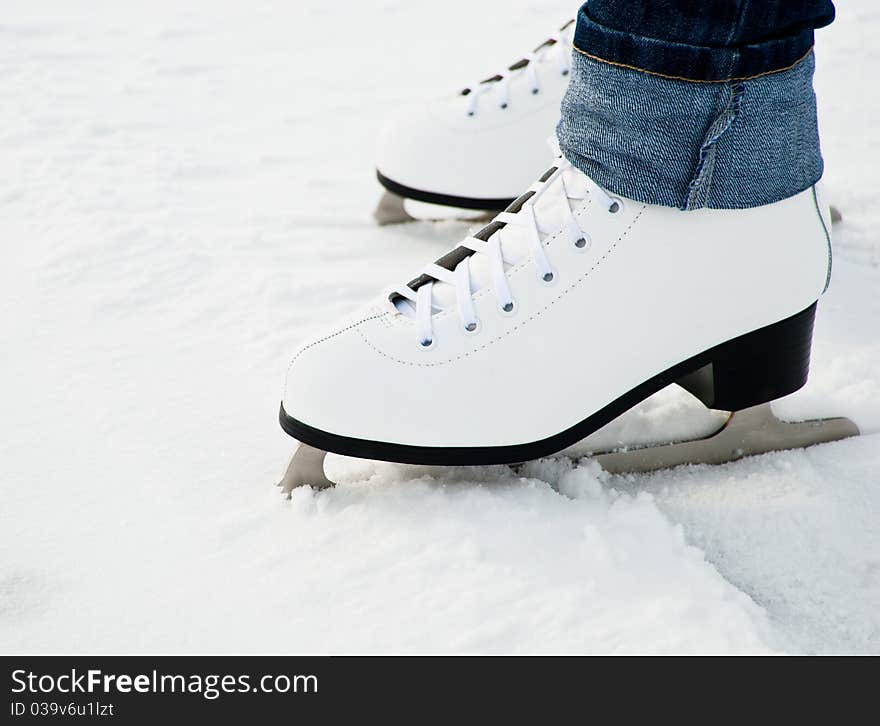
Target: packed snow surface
[185, 196]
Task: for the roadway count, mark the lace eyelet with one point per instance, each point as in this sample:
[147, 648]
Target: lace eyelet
[470, 114]
[581, 244]
[472, 328]
[426, 344]
[548, 278]
[564, 72]
[508, 308]
[616, 205]
[502, 106]
[536, 91]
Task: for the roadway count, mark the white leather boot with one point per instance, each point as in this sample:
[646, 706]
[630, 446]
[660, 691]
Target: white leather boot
[561, 314]
[456, 151]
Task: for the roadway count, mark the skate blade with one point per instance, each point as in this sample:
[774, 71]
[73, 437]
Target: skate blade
[305, 469]
[391, 210]
[749, 432]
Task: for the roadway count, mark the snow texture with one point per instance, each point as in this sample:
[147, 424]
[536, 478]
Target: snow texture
[185, 196]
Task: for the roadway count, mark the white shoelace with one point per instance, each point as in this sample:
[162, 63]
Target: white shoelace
[420, 304]
[556, 48]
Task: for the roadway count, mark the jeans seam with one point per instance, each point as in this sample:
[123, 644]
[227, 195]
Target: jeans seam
[735, 28]
[691, 80]
[701, 182]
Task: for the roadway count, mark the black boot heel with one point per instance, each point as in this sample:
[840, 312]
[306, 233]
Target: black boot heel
[757, 367]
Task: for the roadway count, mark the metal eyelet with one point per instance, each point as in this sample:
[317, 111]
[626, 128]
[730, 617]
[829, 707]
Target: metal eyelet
[616, 205]
[548, 278]
[581, 244]
[472, 328]
[508, 308]
[426, 344]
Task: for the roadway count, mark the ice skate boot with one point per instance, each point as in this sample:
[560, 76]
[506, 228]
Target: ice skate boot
[455, 152]
[565, 311]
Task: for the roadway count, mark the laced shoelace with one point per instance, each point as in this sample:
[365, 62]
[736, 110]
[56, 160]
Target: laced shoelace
[557, 47]
[420, 304]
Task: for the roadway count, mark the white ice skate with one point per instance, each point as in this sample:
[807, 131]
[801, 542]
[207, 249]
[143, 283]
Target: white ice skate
[455, 152]
[564, 312]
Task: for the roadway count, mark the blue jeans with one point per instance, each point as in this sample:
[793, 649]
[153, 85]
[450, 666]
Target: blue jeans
[695, 103]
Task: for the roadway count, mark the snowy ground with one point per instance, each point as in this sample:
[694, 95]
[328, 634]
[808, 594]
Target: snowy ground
[185, 195]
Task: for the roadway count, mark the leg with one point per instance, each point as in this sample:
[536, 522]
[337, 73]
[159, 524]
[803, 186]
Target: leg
[695, 103]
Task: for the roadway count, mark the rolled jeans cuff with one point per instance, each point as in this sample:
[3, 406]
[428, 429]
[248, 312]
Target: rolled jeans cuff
[726, 145]
[685, 61]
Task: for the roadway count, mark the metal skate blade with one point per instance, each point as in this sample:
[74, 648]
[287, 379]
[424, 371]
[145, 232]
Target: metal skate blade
[305, 469]
[390, 210]
[749, 432]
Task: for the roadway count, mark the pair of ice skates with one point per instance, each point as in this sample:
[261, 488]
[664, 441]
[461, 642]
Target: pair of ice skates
[570, 307]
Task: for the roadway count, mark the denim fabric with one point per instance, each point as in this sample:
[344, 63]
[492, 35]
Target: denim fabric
[685, 144]
[704, 40]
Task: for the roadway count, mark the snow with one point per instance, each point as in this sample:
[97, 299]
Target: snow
[186, 196]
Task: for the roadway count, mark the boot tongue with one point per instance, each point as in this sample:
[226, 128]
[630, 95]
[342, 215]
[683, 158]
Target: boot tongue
[514, 239]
